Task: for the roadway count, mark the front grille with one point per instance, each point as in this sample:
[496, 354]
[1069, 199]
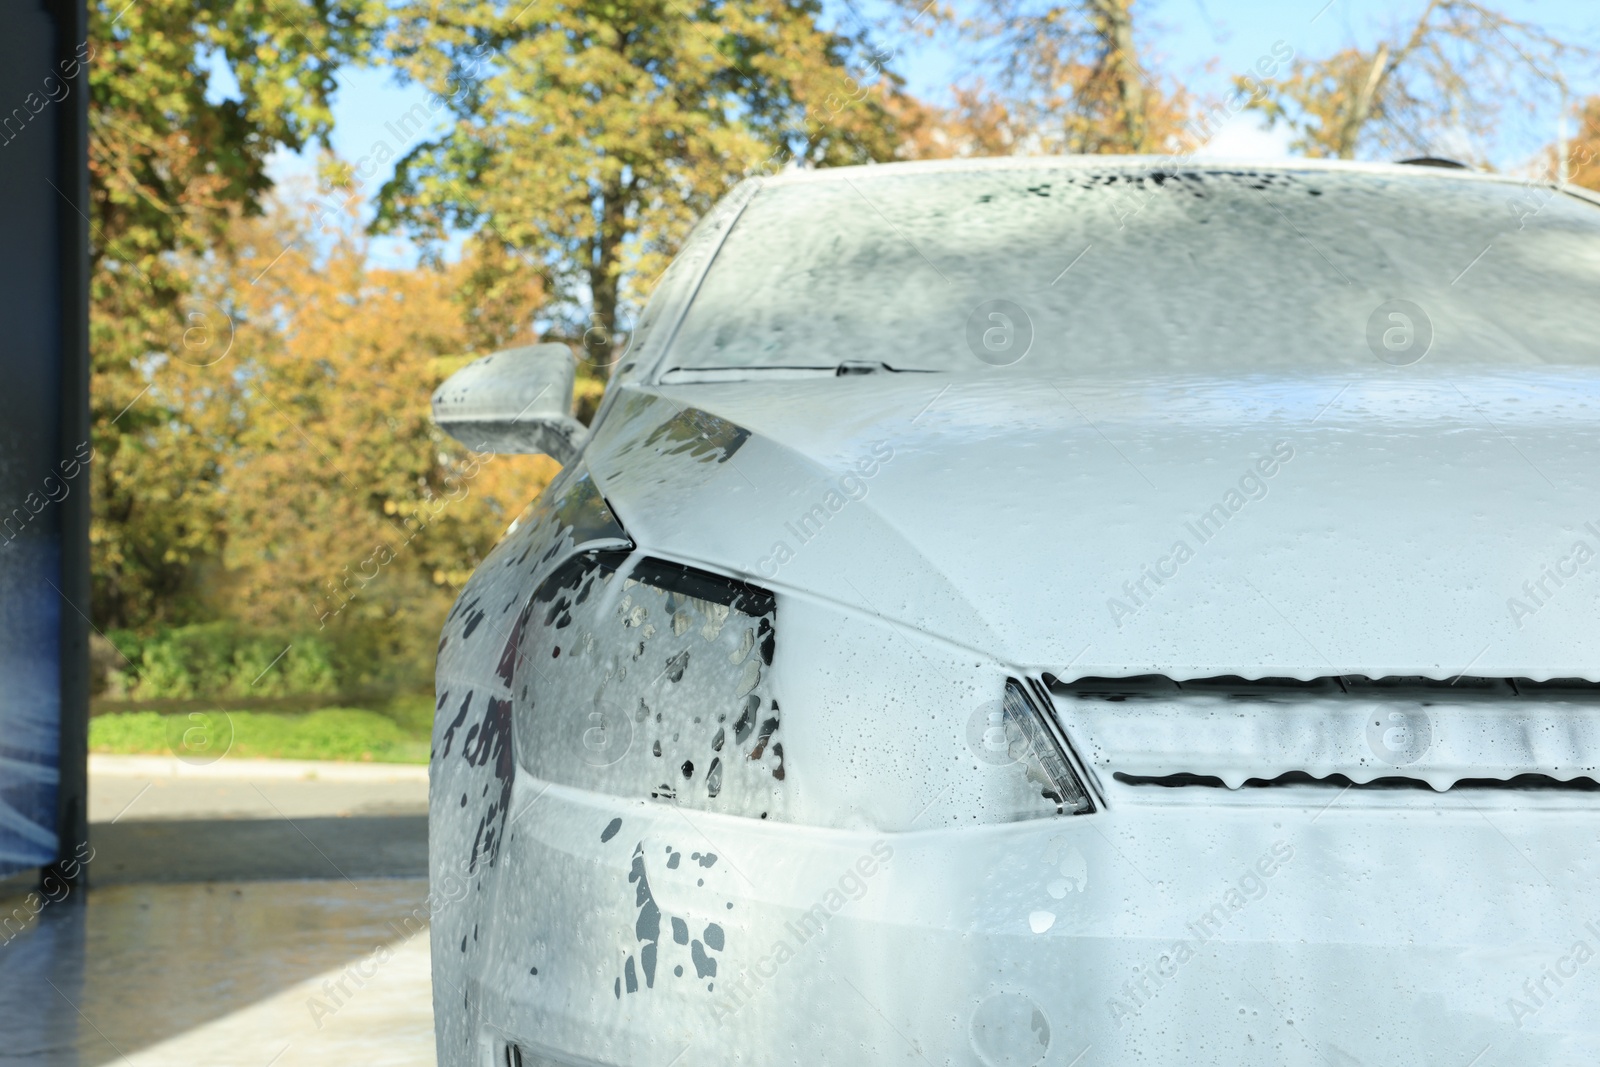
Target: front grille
[1521, 782]
[1147, 686]
[1347, 731]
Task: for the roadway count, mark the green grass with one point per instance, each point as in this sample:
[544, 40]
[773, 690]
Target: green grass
[398, 736]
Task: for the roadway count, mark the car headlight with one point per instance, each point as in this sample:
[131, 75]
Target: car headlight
[652, 681]
[1018, 734]
[648, 679]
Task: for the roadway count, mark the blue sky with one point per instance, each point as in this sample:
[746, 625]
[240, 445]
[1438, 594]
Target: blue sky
[1203, 42]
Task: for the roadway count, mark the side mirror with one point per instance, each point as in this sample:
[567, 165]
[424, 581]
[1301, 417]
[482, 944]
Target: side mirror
[518, 400]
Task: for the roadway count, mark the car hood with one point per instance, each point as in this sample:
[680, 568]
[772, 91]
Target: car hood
[1406, 522]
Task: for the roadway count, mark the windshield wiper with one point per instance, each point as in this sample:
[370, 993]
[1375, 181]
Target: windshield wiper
[863, 366]
[837, 370]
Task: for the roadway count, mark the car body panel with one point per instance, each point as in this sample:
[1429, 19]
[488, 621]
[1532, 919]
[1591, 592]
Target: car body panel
[1373, 905]
[1148, 934]
[1424, 502]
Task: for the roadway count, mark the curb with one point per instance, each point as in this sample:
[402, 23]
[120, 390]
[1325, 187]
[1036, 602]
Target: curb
[321, 770]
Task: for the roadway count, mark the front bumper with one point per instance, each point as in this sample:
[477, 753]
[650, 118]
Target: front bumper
[1295, 925]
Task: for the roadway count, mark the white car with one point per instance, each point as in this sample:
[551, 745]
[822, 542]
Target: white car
[1056, 611]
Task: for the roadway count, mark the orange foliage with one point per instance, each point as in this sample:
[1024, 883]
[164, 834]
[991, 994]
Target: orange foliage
[344, 508]
[1583, 151]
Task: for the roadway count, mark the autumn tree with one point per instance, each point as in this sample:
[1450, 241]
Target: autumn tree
[348, 514]
[1583, 151]
[1451, 73]
[1054, 77]
[174, 158]
[590, 135]
[978, 122]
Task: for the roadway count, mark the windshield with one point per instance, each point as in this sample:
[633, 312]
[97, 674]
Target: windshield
[1073, 267]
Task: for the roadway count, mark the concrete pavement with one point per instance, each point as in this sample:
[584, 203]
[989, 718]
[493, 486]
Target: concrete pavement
[155, 819]
[249, 913]
[160, 787]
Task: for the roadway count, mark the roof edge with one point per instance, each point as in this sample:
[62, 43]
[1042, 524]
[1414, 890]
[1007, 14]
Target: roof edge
[875, 171]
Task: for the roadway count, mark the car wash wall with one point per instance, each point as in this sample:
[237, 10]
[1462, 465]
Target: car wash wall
[44, 432]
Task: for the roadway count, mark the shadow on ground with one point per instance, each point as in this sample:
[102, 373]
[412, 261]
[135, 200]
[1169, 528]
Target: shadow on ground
[207, 850]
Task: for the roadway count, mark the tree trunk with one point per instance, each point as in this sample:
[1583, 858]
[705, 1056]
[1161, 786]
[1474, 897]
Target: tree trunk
[1382, 67]
[599, 340]
[1361, 107]
[1122, 64]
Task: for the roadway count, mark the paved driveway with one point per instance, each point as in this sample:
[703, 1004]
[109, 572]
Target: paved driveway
[249, 913]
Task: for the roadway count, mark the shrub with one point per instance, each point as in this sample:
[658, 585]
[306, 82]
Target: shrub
[217, 658]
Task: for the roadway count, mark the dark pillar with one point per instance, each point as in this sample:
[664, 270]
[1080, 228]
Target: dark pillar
[72, 163]
[44, 431]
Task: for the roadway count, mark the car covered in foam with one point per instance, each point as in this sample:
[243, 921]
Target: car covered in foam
[1056, 611]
